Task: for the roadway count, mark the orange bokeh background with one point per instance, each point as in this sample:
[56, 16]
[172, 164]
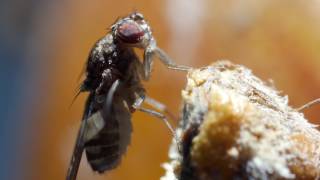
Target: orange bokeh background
[278, 40]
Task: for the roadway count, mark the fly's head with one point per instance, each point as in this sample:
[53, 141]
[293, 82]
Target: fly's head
[133, 31]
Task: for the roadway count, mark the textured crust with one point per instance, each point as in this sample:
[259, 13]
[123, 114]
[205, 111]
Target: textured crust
[246, 130]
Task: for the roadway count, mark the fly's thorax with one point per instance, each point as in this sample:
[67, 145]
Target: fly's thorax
[105, 46]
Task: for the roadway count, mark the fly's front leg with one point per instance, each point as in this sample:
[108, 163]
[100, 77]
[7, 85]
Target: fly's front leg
[148, 62]
[149, 54]
[309, 104]
[168, 61]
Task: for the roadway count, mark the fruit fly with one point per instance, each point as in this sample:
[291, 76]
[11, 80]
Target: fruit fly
[113, 79]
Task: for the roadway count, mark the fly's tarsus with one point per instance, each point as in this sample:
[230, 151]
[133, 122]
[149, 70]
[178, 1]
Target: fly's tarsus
[309, 104]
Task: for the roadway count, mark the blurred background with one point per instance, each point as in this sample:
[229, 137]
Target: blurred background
[44, 45]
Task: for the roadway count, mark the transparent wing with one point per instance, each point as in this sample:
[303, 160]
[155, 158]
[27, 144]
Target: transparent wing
[79, 146]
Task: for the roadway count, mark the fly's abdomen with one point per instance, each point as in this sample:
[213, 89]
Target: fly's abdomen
[104, 151]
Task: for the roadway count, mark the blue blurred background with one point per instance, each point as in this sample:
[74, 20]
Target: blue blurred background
[44, 45]
[23, 71]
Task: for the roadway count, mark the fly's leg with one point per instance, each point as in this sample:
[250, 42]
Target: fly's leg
[147, 63]
[165, 120]
[158, 115]
[160, 107]
[137, 106]
[309, 104]
[96, 121]
[152, 51]
[168, 61]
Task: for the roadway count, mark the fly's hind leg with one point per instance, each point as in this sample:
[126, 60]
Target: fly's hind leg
[157, 115]
[138, 106]
[160, 107]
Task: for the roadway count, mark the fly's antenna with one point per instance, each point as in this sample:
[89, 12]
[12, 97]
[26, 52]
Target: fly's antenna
[309, 104]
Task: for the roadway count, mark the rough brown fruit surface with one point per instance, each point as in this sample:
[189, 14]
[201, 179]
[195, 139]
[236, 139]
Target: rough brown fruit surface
[235, 126]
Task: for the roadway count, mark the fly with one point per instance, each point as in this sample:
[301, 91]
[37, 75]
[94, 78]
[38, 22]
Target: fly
[113, 80]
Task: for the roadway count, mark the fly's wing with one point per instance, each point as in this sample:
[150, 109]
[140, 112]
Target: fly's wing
[92, 122]
[79, 146]
[105, 149]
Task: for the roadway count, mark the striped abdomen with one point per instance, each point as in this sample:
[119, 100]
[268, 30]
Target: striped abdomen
[104, 151]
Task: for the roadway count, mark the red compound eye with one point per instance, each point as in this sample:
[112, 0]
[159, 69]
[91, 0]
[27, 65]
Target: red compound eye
[130, 32]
